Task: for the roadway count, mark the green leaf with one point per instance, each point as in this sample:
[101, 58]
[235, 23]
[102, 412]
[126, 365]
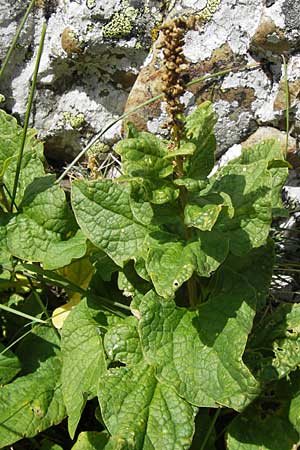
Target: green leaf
[185, 345]
[9, 365]
[104, 265]
[294, 412]
[162, 419]
[203, 218]
[200, 132]
[122, 342]
[11, 138]
[83, 359]
[257, 268]
[43, 230]
[169, 266]
[31, 168]
[62, 253]
[143, 156]
[32, 403]
[249, 187]
[91, 440]
[270, 151]
[104, 212]
[209, 250]
[265, 425]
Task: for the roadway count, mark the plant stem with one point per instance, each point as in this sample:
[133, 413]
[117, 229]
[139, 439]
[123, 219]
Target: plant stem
[42, 306]
[287, 107]
[27, 116]
[146, 103]
[18, 339]
[211, 426]
[15, 39]
[20, 313]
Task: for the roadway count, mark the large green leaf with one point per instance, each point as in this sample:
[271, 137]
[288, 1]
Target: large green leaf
[169, 266]
[170, 262]
[200, 131]
[250, 188]
[161, 420]
[265, 425]
[11, 137]
[270, 151]
[257, 268]
[43, 230]
[83, 359]
[193, 351]
[145, 156]
[104, 212]
[32, 403]
[9, 365]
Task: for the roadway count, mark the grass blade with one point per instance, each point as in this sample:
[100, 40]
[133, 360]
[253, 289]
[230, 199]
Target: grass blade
[28, 111]
[15, 39]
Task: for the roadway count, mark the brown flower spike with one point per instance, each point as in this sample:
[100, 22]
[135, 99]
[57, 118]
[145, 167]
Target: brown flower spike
[175, 65]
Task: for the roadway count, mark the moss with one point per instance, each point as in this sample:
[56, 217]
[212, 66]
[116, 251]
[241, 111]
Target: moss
[75, 120]
[97, 148]
[121, 23]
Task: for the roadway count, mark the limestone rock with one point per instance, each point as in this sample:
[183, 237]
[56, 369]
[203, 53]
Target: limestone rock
[92, 55]
[99, 58]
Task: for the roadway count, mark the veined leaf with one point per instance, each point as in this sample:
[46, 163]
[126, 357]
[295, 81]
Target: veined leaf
[192, 350]
[104, 213]
[270, 151]
[250, 189]
[143, 156]
[32, 403]
[11, 137]
[203, 218]
[200, 132]
[169, 265]
[162, 420]
[83, 360]
[42, 231]
[9, 365]
[257, 268]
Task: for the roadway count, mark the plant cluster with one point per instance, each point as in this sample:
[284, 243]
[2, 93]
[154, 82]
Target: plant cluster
[141, 302]
[167, 277]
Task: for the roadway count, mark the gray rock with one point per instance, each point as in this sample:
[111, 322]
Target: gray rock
[96, 62]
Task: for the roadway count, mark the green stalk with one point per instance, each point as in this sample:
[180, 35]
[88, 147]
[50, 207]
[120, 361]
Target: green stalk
[18, 340]
[287, 107]
[27, 116]
[146, 103]
[41, 304]
[15, 39]
[211, 426]
[21, 314]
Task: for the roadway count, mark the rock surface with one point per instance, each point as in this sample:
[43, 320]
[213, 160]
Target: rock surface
[101, 57]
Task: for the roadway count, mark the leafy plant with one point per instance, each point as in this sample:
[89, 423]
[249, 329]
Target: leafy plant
[167, 271]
